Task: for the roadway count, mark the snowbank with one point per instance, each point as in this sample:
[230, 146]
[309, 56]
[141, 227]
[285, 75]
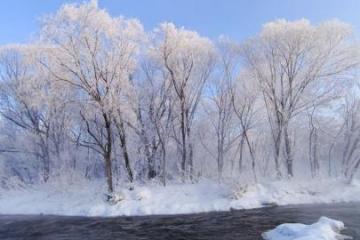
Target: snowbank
[324, 229]
[87, 198]
[296, 192]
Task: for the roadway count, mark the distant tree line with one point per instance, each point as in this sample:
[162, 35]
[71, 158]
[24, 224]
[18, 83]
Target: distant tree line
[97, 96]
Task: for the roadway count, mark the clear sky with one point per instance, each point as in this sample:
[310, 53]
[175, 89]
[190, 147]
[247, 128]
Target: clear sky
[237, 19]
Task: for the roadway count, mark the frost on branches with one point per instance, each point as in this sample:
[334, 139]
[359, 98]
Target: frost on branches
[97, 97]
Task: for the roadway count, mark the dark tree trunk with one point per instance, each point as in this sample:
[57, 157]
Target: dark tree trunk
[242, 141]
[288, 150]
[277, 146]
[191, 162]
[220, 158]
[315, 154]
[45, 156]
[310, 152]
[163, 163]
[183, 143]
[107, 153]
[123, 145]
[252, 155]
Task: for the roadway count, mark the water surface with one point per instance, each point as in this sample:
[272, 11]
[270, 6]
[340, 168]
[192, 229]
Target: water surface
[239, 225]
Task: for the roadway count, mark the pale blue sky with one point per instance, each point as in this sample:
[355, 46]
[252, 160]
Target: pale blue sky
[237, 19]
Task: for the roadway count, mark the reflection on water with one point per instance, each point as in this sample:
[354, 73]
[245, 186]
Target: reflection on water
[239, 225]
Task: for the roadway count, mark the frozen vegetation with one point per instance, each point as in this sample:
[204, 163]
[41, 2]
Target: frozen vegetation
[166, 121]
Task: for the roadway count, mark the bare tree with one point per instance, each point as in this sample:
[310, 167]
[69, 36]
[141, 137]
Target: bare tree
[96, 57]
[31, 102]
[313, 144]
[187, 59]
[219, 108]
[244, 97]
[297, 66]
[157, 106]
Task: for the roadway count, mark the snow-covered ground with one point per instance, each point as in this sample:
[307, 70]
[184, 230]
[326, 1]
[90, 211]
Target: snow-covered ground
[87, 198]
[324, 229]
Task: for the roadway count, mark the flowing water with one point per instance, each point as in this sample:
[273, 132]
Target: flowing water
[239, 225]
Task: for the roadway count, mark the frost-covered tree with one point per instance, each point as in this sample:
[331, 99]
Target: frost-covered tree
[350, 132]
[31, 101]
[96, 54]
[244, 101]
[218, 106]
[96, 96]
[153, 115]
[187, 60]
[297, 65]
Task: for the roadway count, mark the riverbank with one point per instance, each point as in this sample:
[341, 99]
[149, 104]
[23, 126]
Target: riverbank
[88, 198]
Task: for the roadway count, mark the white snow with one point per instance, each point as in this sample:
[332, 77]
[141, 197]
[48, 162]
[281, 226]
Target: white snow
[324, 229]
[298, 192]
[86, 198]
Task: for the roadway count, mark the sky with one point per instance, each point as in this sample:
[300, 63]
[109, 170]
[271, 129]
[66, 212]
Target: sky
[237, 19]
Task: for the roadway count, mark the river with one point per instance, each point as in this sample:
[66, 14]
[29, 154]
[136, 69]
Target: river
[239, 225]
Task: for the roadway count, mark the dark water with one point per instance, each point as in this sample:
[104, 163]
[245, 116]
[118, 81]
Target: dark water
[239, 225]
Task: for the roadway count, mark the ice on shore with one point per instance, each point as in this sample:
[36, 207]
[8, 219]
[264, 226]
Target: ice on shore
[324, 229]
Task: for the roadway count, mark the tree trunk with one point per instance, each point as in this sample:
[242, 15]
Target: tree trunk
[149, 151]
[289, 157]
[163, 164]
[277, 146]
[220, 158]
[107, 153]
[191, 162]
[252, 155]
[123, 145]
[184, 144]
[315, 154]
[242, 141]
[45, 156]
[46, 164]
[108, 171]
